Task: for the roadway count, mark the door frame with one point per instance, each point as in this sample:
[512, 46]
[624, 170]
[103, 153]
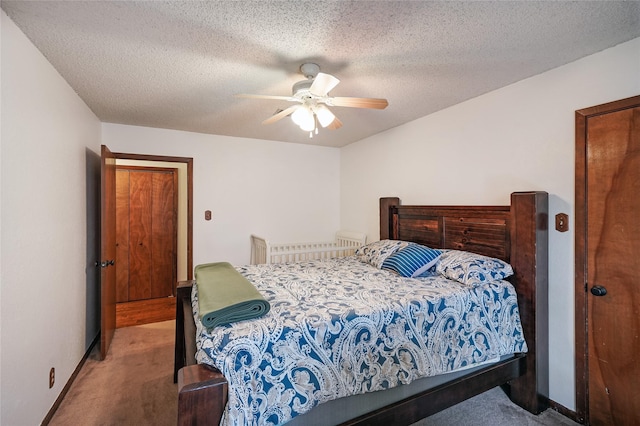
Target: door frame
[189, 163]
[580, 274]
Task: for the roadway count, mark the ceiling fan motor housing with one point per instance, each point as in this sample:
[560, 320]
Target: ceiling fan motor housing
[301, 86]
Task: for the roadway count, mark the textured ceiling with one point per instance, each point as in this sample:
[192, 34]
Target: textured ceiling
[177, 65]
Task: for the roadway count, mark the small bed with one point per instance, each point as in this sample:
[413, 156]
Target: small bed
[344, 244]
[516, 234]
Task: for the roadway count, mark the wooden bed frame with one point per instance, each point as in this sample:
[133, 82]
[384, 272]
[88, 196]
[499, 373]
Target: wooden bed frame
[517, 234]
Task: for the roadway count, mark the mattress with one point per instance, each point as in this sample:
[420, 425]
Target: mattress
[342, 327]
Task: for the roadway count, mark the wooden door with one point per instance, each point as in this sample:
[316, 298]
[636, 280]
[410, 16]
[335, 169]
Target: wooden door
[612, 281]
[122, 235]
[147, 230]
[164, 231]
[140, 222]
[107, 250]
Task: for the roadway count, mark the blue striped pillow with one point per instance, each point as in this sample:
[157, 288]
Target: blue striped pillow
[412, 260]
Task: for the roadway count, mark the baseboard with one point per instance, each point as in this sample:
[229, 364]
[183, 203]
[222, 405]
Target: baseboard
[67, 386]
[565, 411]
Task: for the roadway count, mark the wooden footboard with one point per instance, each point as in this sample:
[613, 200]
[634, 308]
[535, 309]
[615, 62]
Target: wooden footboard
[515, 233]
[202, 390]
[429, 402]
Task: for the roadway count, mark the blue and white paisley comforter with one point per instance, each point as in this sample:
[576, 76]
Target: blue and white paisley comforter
[342, 327]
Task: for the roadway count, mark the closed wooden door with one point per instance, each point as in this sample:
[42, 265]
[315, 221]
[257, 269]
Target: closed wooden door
[146, 205]
[612, 284]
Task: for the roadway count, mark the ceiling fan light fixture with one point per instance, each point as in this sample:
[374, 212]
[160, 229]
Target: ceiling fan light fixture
[325, 116]
[308, 126]
[302, 116]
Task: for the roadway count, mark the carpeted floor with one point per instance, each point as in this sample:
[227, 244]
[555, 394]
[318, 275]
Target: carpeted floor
[493, 408]
[134, 386]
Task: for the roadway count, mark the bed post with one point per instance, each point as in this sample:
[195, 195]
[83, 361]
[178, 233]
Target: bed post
[529, 258]
[202, 395]
[385, 224]
[183, 296]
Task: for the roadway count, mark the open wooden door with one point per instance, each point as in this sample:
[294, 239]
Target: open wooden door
[608, 261]
[107, 250]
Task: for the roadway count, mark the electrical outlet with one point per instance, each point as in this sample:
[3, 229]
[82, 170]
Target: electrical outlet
[52, 377]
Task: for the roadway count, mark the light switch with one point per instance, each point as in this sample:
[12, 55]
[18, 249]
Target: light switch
[562, 222]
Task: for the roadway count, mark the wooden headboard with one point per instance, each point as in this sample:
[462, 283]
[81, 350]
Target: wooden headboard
[483, 230]
[516, 234]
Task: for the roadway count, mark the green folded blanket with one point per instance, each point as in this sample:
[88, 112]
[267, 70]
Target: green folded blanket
[225, 296]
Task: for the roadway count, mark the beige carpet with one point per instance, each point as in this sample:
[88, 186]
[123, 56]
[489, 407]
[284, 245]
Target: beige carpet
[134, 386]
[493, 408]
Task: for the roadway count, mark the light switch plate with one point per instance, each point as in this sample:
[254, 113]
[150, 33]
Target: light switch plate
[562, 222]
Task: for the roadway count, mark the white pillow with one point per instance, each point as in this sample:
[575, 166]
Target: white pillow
[375, 253]
[472, 269]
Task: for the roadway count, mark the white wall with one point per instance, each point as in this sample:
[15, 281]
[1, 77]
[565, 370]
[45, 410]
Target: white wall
[49, 143]
[517, 138]
[281, 191]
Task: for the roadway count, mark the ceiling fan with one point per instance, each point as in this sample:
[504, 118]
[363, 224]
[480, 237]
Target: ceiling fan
[312, 101]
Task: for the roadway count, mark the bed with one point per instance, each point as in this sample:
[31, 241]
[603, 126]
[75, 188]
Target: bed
[344, 244]
[516, 234]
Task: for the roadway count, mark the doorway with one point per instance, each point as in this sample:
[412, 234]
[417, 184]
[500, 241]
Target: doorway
[150, 303]
[607, 263]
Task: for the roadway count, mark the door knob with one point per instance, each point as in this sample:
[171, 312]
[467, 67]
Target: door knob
[598, 290]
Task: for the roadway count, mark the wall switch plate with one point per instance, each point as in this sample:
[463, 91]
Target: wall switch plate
[562, 222]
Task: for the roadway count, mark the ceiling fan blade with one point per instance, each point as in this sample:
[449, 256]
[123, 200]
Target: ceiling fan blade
[277, 98]
[335, 124]
[322, 84]
[281, 114]
[374, 103]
